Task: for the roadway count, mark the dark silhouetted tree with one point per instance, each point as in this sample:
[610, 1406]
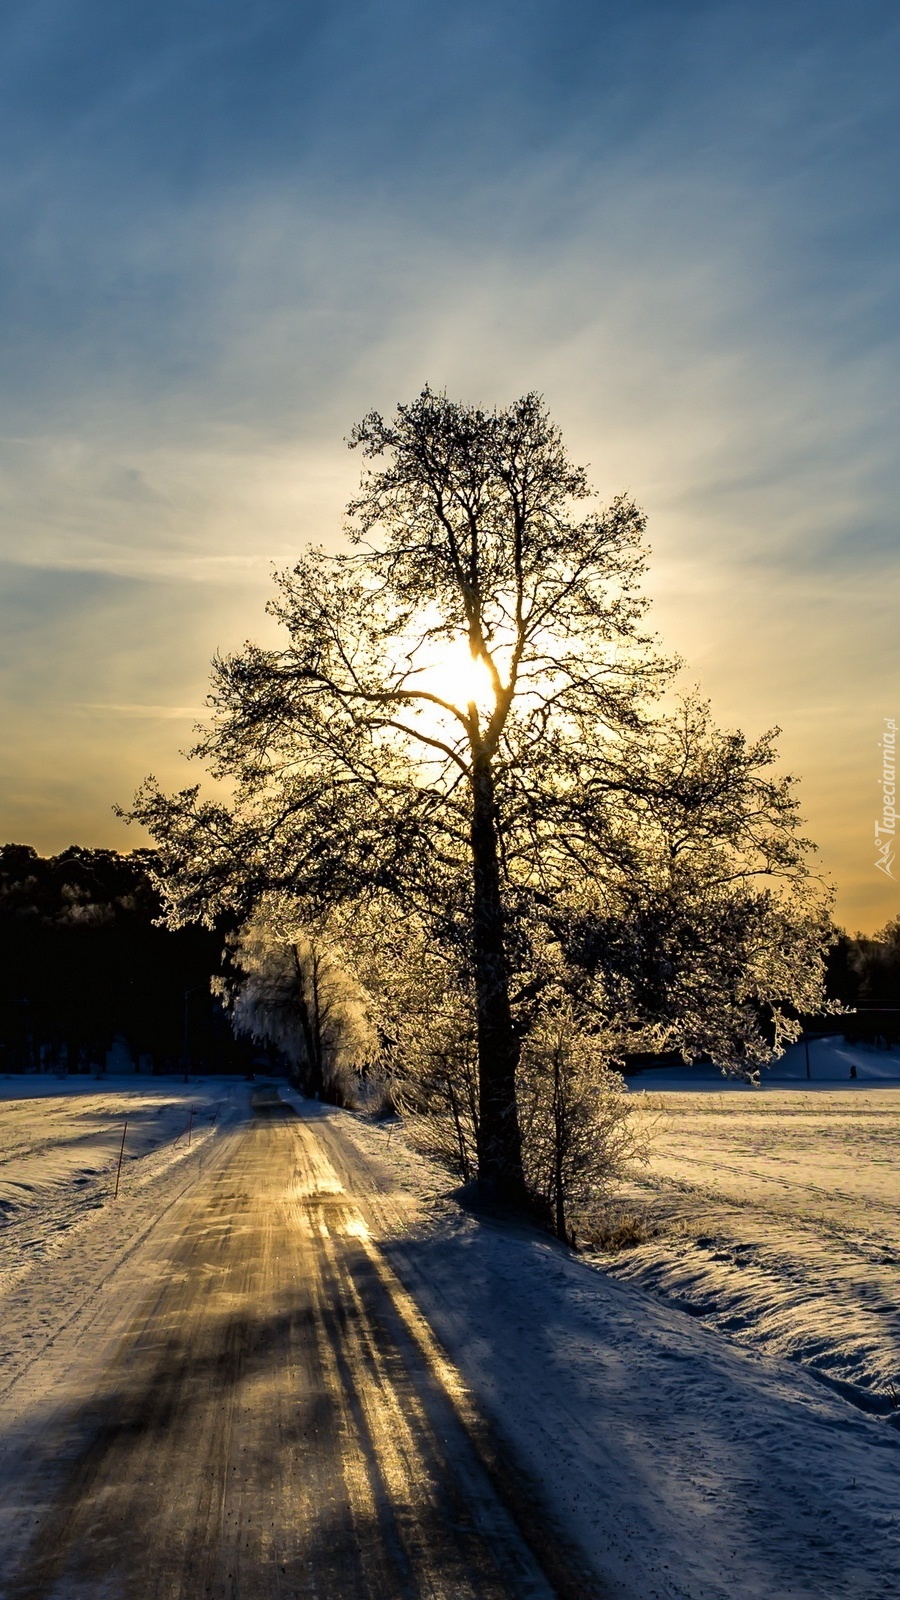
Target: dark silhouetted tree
[459, 725]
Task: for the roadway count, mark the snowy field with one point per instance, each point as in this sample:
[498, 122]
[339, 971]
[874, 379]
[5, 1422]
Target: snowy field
[60, 1140]
[776, 1213]
[819, 1065]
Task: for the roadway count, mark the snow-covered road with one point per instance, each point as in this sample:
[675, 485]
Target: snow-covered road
[250, 1405]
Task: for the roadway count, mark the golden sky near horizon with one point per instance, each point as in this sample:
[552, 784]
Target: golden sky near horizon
[232, 235]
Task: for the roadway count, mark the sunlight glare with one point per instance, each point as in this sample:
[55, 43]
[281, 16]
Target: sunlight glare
[456, 677]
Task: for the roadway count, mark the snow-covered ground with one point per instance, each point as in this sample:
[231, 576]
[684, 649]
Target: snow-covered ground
[670, 1399]
[60, 1140]
[819, 1064]
[692, 1455]
[62, 1232]
[776, 1214]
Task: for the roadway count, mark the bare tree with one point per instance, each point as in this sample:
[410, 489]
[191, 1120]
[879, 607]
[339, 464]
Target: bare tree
[459, 724]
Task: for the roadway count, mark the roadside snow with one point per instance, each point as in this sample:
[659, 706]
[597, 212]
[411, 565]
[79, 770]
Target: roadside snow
[62, 1234]
[689, 1466]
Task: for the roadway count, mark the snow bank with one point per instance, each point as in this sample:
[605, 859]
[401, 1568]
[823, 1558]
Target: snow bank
[688, 1465]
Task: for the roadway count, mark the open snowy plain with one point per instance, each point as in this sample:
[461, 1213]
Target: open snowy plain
[709, 1416]
[778, 1213]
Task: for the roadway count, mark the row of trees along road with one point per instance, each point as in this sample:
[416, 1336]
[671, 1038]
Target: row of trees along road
[466, 759]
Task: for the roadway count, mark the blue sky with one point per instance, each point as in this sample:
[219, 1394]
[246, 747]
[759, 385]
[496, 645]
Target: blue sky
[230, 230]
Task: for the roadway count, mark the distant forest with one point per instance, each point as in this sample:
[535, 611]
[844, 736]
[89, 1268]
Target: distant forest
[88, 977]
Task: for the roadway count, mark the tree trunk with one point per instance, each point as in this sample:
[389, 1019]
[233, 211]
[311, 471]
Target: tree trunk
[559, 1190]
[313, 1080]
[317, 1024]
[500, 1171]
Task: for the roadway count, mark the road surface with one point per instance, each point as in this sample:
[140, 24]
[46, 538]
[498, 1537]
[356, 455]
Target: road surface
[276, 1421]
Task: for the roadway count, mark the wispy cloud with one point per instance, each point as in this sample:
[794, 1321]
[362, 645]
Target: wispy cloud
[230, 233]
[151, 713]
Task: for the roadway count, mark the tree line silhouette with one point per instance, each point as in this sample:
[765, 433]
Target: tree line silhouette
[84, 962]
[85, 966]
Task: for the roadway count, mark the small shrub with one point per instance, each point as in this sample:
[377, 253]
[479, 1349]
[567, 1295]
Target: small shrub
[381, 1102]
[582, 1131]
[617, 1228]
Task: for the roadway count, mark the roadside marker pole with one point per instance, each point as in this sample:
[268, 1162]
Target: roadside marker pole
[121, 1153]
[190, 1125]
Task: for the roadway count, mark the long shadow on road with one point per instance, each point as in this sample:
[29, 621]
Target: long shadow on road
[270, 1425]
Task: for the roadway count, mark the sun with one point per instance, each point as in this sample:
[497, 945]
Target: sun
[455, 676]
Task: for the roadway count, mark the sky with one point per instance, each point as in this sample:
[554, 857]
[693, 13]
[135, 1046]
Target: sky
[228, 231]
